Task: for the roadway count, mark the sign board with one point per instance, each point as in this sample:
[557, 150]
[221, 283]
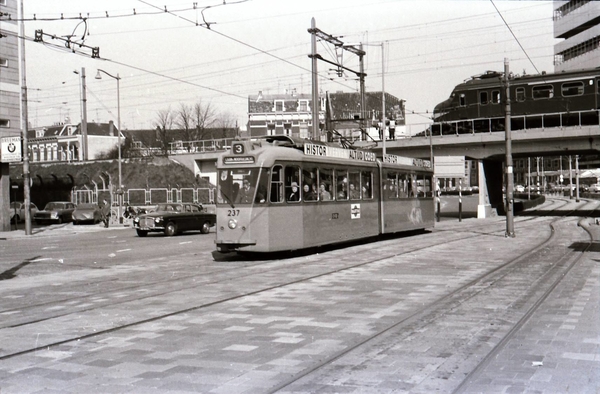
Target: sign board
[449, 166]
[10, 149]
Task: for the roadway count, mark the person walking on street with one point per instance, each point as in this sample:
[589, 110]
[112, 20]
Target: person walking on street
[105, 213]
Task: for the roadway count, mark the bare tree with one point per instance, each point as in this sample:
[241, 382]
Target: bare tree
[226, 121]
[164, 124]
[186, 122]
[204, 118]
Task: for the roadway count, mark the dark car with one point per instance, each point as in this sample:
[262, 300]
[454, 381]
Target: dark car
[55, 212]
[174, 218]
[87, 213]
[17, 211]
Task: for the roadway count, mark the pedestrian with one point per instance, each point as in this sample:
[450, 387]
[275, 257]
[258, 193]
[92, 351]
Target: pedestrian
[105, 213]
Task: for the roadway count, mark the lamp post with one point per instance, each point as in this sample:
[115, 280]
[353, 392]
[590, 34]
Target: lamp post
[119, 190]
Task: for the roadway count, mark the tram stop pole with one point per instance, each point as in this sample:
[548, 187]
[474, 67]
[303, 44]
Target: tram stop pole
[510, 203]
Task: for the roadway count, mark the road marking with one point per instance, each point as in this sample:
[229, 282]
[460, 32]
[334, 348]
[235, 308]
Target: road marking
[185, 242]
[123, 250]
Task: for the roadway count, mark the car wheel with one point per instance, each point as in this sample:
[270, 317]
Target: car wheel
[170, 229]
[60, 220]
[75, 222]
[141, 233]
[16, 219]
[205, 228]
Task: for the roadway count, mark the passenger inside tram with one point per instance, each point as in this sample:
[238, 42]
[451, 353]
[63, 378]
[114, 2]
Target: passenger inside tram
[325, 195]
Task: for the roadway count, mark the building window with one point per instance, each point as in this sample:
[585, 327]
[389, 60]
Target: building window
[520, 94]
[279, 106]
[2, 2]
[3, 62]
[4, 123]
[543, 92]
[303, 106]
[572, 89]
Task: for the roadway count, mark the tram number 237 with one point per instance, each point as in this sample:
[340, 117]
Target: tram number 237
[233, 212]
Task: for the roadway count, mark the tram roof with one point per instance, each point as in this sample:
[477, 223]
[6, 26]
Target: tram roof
[305, 149]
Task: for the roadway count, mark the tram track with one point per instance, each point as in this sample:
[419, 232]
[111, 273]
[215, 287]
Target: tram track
[268, 269]
[449, 302]
[421, 319]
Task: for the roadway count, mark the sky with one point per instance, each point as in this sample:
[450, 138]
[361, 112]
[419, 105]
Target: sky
[165, 54]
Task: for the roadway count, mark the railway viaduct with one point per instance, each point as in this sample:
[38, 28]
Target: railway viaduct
[489, 149]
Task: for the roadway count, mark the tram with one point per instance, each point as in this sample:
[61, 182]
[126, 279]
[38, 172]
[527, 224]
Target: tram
[569, 98]
[278, 193]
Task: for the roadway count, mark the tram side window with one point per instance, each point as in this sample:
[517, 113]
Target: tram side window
[543, 92]
[325, 184]
[277, 184]
[423, 186]
[572, 89]
[341, 177]
[310, 188]
[292, 183]
[462, 100]
[483, 98]
[412, 182]
[495, 97]
[354, 185]
[403, 182]
[366, 184]
[520, 94]
[391, 185]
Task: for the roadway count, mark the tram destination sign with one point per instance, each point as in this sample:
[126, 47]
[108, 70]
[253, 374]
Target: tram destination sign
[238, 160]
[340, 153]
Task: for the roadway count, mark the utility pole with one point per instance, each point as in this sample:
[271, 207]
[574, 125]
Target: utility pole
[315, 87]
[383, 100]
[84, 135]
[510, 203]
[24, 121]
[363, 104]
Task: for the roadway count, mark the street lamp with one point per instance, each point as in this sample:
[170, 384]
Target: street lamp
[119, 190]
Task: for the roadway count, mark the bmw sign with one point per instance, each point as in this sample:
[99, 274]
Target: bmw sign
[10, 151]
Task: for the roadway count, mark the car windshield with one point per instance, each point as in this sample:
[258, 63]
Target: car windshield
[168, 208]
[53, 205]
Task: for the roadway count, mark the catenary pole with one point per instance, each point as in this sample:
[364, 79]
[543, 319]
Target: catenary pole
[24, 121]
[510, 227]
[315, 85]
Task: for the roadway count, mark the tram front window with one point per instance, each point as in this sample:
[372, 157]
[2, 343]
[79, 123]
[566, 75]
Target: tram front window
[241, 186]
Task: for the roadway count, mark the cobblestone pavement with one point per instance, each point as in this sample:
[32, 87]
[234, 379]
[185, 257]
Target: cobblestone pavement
[254, 342]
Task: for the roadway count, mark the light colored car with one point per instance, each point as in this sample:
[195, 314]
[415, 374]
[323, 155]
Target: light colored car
[17, 211]
[595, 188]
[55, 212]
[520, 189]
[87, 213]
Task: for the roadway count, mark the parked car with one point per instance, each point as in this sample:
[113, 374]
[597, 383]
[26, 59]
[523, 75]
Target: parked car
[595, 188]
[17, 211]
[55, 212]
[520, 189]
[87, 213]
[174, 218]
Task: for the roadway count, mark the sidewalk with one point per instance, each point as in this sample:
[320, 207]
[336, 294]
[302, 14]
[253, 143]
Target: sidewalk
[58, 229]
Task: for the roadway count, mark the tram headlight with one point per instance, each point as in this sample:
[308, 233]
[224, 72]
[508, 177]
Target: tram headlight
[232, 223]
